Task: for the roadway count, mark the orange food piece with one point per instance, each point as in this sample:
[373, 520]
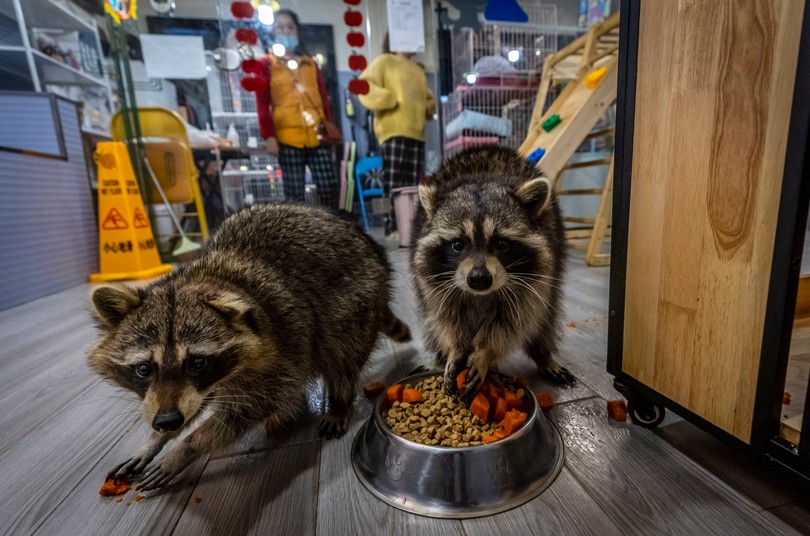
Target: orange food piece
[394, 393]
[571, 324]
[493, 394]
[512, 422]
[112, 487]
[461, 378]
[617, 410]
[139, 498]
[500, 409]
[119, 499]
[373, 389]
[480, 407]
[411, 396]
[785, 398]
[546, 401]
[197, 499]
[513, 401]
[494, 437]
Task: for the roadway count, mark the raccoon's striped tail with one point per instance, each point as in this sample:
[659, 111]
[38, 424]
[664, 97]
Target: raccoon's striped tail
[396, 329]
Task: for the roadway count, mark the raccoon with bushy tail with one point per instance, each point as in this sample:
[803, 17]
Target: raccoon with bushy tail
[487, 258]
[282, 295]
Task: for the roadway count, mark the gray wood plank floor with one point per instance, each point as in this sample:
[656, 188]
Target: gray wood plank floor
[62, 429]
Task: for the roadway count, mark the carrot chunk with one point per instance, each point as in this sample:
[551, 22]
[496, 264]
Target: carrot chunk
[546, 401]
[411, 396]
[493, 437]
[394, 393]
[513, 401]
[512, 422]
[501, 408]
[461, 378]
[617, 410]
[113, 487]
[480, 407]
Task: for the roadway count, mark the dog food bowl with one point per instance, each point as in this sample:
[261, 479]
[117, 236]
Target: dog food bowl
[462, 482]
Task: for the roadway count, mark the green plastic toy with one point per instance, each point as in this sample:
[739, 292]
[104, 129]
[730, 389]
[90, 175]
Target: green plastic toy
[551, 122]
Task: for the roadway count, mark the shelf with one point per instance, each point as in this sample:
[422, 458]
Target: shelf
[47, 15]
[12, 48]
[55, 72]
[95, 133]
[234, 115]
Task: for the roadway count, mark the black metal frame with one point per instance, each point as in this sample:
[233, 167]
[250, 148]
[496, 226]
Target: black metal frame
[785, 269]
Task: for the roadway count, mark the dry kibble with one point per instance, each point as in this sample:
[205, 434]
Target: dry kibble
[441, 419]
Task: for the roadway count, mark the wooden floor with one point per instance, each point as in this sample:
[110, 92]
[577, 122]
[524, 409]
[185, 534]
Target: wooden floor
[63, 429]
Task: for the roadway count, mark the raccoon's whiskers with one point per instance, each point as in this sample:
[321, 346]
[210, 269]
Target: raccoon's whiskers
[535, 279]
[435, 276]
[526, 285]
[510, 297]
[439, 290]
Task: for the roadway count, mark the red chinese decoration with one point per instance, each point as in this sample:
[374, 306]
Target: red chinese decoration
[254, 84]
[247, 35]
[357, 62]
[352, 18]
[352, 2]
[251, 66]
[356, 39]
[242, 10]
[357, 86]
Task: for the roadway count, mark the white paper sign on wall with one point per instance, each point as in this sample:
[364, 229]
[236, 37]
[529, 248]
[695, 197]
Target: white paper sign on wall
[174, 56]
[406, 25]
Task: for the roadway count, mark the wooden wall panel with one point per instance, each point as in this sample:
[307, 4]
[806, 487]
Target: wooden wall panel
[713, 94]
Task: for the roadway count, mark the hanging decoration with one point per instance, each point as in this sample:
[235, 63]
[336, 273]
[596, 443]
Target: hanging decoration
[121, 9]
[242, 10]
[247, 36]
[356, 39]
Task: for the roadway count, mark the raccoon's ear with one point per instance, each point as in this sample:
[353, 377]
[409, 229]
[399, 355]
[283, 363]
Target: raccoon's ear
[535, 195]
[235, 308]
[427, 194]
[112, 303]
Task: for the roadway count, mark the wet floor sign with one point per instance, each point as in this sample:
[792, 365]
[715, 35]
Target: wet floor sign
[127, 248]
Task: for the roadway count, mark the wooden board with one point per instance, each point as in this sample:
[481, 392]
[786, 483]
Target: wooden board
[709, 145]
[579, 109]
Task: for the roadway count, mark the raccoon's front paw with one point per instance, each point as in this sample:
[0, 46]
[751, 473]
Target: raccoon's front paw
[333, 426]
[475, 378]
[556, 373]
[131, 467]
[451, 372]
[166, 470]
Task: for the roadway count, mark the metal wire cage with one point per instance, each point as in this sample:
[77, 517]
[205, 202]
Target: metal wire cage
[496, 72]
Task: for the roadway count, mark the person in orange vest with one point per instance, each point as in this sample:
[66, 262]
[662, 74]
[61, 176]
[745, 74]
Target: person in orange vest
[290, 109]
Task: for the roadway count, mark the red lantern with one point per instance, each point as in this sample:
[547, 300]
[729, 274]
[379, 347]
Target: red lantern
[242, 10]
[356, 39]
[246, 35]
[352, 2]
[251, 66]
[254, 84]
[357, 62]
[353, 18]
[358, 87]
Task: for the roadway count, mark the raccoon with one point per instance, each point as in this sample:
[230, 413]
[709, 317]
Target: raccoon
[282, 294]
[487, 259]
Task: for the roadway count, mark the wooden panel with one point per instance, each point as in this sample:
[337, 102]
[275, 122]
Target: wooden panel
[803, 298]
[709, 143]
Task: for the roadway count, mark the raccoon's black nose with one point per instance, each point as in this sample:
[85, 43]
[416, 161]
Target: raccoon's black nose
[479, 279]
[169, 421]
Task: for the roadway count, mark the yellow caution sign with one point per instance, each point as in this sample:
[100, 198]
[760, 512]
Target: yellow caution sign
[127, 246]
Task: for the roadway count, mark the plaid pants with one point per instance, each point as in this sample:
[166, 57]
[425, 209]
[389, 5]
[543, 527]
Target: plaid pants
[403, 165]
[324, 173]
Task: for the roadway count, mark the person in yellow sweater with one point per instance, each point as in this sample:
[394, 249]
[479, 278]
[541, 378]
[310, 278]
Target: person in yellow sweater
[290, 109]
[401, 101]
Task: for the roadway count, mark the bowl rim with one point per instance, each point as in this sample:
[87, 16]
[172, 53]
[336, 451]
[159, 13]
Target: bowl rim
[378, 420]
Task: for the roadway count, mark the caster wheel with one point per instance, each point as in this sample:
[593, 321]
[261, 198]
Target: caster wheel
[648, 416]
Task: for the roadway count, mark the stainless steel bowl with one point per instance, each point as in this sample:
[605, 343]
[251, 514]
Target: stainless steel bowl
[457, 482]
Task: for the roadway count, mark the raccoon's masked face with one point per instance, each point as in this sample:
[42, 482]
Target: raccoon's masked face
[172, 346]
[481, 238]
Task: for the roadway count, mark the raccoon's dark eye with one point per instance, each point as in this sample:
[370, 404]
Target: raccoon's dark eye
[144, 370]
[457, 245]
[502, 244]
[197, 364]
